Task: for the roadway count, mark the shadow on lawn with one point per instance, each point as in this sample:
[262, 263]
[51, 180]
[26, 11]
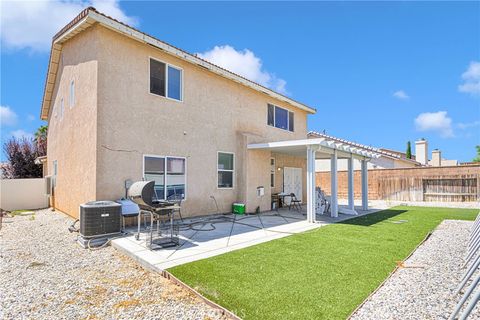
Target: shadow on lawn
[373, 218]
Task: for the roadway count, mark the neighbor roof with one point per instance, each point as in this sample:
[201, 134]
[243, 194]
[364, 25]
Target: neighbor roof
[91, 16]
[396, 156]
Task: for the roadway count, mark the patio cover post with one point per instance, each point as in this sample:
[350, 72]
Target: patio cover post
[311, 201]
[351, 202]
[364, 185]
[334, 184]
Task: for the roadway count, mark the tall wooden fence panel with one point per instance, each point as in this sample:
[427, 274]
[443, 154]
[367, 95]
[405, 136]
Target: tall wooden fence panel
[452, 184]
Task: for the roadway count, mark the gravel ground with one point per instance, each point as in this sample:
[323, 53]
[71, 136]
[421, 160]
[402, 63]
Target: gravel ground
[424, 289]
[44, 274]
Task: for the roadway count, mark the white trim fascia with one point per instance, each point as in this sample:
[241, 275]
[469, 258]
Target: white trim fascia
[72, 29]
[322, 144]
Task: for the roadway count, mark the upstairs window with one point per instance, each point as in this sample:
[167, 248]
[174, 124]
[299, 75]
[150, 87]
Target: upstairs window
[165, 80]
[280, 118]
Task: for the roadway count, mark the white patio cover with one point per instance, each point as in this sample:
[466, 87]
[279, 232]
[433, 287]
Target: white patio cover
[322, 148]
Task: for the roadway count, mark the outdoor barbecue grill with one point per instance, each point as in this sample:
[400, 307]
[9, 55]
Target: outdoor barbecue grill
[161, 212]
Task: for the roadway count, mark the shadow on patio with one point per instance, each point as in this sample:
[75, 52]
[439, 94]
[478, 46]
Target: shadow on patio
[204, 237]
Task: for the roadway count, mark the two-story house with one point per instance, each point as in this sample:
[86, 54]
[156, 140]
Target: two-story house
[122, 105]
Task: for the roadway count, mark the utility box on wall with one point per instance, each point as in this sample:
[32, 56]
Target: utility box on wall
[260, 191]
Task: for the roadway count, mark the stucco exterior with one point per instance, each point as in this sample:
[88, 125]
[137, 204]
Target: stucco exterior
[101, 141]
[72, 138]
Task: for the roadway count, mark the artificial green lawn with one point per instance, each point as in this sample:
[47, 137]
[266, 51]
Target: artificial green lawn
[321, 274]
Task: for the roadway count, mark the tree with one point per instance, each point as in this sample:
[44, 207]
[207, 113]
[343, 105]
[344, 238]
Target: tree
[409, 150]
[477, 158]
[41, 141]
[21, 154]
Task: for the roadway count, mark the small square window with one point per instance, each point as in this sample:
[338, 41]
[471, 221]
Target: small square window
[165, 80]
[280, 118]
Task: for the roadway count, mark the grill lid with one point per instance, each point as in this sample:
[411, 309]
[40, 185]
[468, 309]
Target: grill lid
[141, 192]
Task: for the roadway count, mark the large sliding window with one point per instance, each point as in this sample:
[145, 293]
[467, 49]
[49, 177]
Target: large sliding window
[165, 80]
[280, 118]
[168, 174]
[225, 169]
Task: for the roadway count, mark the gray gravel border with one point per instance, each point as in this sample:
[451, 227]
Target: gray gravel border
[44, 274]
[425, 287]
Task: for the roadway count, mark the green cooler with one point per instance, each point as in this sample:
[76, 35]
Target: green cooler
[238, 208]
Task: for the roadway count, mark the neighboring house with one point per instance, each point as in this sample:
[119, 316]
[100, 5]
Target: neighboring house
[421, 152]
[122, 105]
[388, 159]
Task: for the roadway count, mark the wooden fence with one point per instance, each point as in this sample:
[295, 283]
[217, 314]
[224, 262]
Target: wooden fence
[443, 184]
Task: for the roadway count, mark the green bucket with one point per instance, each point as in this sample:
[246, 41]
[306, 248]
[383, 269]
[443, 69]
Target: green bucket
[238, 208]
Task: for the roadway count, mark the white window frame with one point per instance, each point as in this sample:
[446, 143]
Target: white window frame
[288, 118]
[272, 171]
[165, 168]
[72, 94]
[166, 79]
[225, 170]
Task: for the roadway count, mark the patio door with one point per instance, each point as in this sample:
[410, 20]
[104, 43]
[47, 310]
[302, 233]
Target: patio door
[292, 182]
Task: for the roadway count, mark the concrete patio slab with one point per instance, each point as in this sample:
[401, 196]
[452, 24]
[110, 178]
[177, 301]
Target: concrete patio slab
[201, 238]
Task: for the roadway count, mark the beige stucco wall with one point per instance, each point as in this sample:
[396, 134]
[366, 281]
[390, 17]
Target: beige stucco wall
[115, 121]
[216, 115]
[72, 139]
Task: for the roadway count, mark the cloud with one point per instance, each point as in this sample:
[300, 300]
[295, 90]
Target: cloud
[8, 117]
[400, 94]
[32, 24]
[467, 125]
[30, 117]
[245, 63]
[19, 134]
[435, 121]
[471, 79]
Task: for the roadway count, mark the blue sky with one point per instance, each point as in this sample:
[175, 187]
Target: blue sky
[379, 73]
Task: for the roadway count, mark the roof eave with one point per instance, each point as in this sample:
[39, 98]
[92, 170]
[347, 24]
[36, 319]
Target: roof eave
[90, 16]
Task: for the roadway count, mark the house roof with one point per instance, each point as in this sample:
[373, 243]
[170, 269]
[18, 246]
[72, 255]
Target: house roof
[401, 154]
[91, 16]
[383, 152]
